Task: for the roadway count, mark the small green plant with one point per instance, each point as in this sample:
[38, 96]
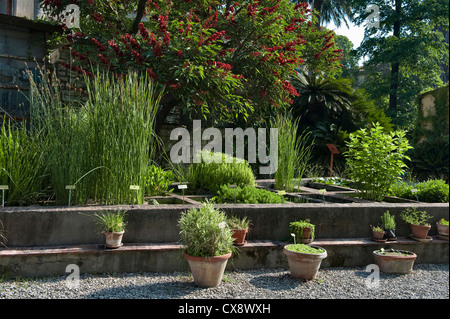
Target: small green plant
[388, 221]
[294, 152]
[413, 216]
[302, 248]
[375, 159]
[234, 222]
[297, 228]
[205, 232]
[443, 222]
[247, 195]
[157, 181]
[111, 221]
[377, 229]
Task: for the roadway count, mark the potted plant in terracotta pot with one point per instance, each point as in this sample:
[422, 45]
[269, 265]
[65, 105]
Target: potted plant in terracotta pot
[303, 230]
[442, 228]
[304, 260]
[394, 261]
[388, 224]
[377, 233]
[418, 221]
[207, 243]
[240, 227]
[112, 224]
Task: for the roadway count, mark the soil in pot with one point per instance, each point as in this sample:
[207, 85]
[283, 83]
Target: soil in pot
[207, 271]
[394, 261]
[304, 261]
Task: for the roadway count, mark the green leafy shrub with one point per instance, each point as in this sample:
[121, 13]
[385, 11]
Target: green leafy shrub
[431, 191]
[204, 231]
[247, 195]
[157, 180]
[375, 160]
[413, 216]
[223, 169]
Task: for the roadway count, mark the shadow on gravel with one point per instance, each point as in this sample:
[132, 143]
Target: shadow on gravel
[173, 289]
[276, 283]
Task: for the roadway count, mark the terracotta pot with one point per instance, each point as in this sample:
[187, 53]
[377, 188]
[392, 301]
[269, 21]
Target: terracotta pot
[442, 229]
[420, 231]
[304, 266]
[114, 239]
[378, 235]
[207, 271]
[239, 236]
[395, 263]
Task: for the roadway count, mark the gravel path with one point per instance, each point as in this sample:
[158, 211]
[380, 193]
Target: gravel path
[427, 281]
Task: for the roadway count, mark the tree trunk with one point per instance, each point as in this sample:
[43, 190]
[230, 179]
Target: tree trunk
[395, 67]
[167, 104]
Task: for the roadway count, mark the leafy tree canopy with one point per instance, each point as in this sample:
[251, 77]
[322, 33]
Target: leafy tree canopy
[220, 58]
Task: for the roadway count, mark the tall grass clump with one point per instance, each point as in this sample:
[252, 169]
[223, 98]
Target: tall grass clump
[294, 152]
[102, 145]
[120, 113]
[21, 163]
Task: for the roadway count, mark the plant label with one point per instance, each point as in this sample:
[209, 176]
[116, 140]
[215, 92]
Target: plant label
[182, 186]
[232, 186]
[281, 192]
[4, 187]
[70, 187]
[414, 190]
[322, 191]
[134, 187]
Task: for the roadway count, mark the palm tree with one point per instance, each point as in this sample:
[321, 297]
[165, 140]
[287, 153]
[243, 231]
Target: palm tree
[328, 11]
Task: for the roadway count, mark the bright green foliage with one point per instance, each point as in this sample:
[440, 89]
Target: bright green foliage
[298, 226]
[157, 180]
[302, 248]
[103, 147]
[111, 221]
[221, 170]
[238, 223]
[248, 195]
[375, 160]
[294, 152]
[388, 221]
[204, 231]
[431, 191]
[413, 216]
[21, 163]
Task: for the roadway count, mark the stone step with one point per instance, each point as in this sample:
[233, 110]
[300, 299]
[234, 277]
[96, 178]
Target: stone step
[167, 257]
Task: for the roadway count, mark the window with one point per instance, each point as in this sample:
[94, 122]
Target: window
[6, 7]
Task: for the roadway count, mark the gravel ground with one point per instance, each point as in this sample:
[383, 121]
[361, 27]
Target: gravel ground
[427, 281]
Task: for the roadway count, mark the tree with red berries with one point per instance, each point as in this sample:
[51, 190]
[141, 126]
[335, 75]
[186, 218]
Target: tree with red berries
[219, 58]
